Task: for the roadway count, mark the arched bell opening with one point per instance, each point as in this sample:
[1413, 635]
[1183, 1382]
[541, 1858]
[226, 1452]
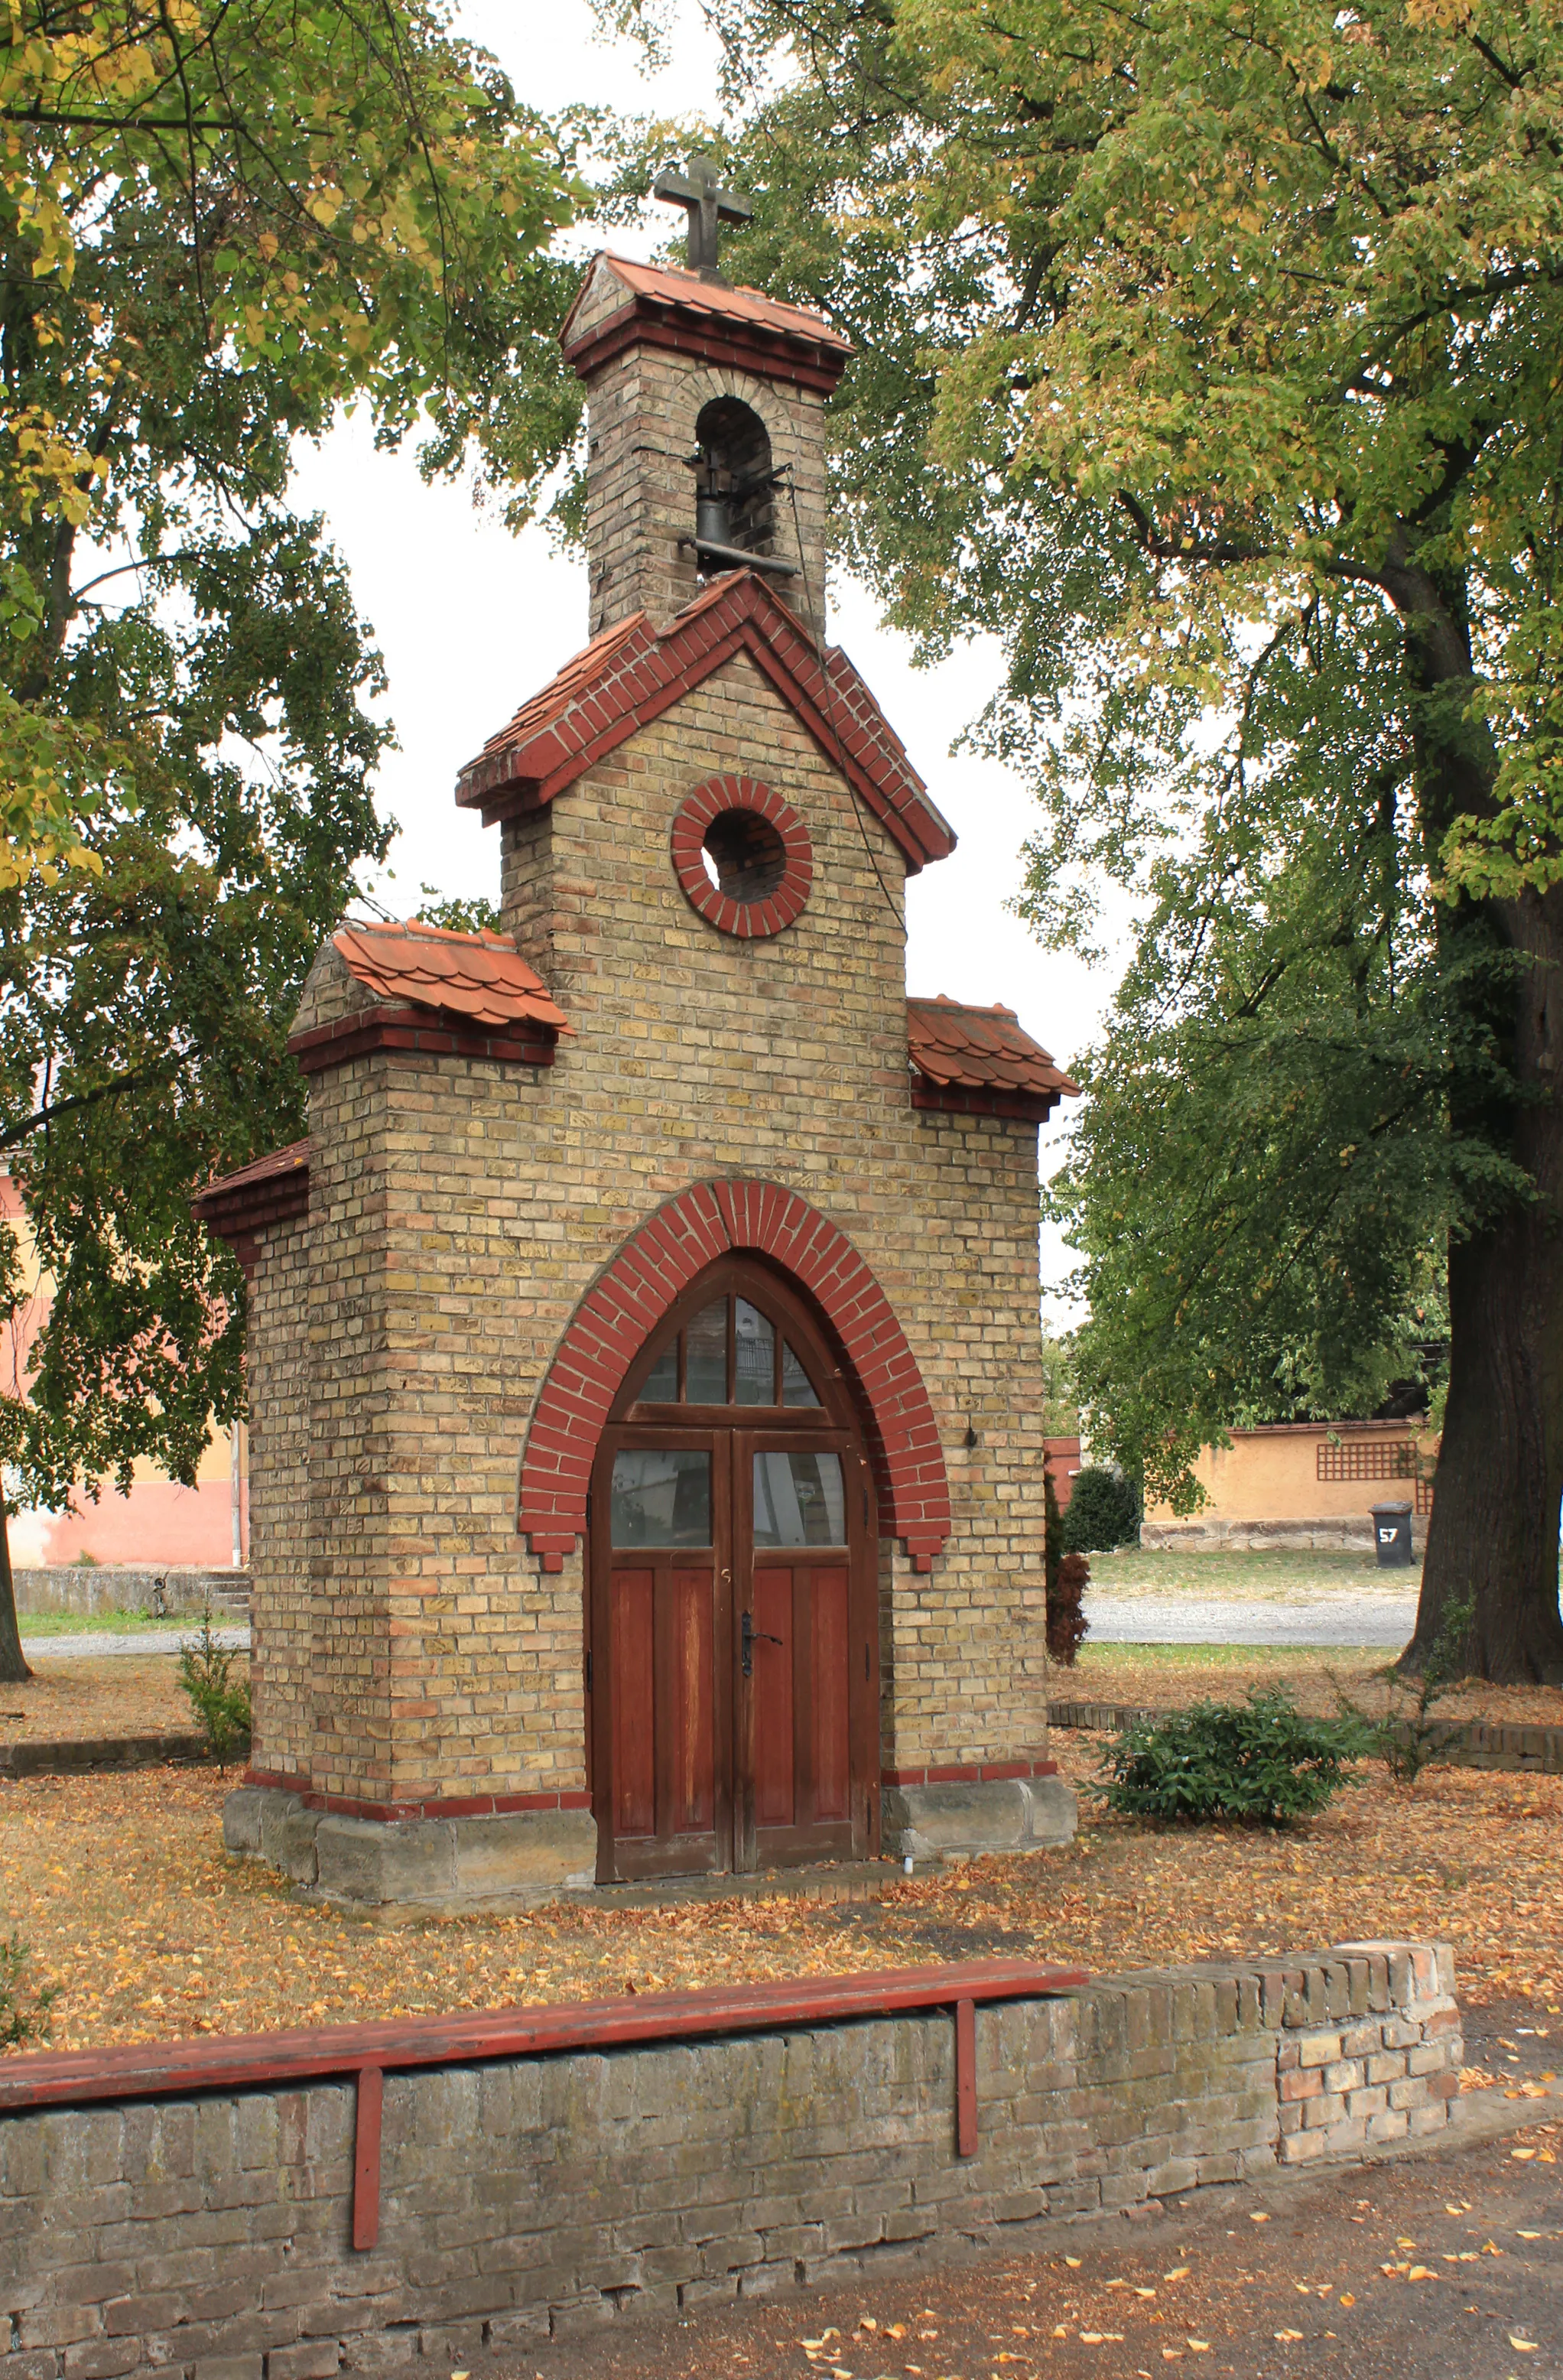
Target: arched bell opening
[734, 486]
[733, 1657]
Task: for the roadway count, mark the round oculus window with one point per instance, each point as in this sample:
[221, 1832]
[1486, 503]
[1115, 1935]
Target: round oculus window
[742, 856]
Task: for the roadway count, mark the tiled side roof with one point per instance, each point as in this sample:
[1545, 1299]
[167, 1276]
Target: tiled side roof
[980, 1059]
[481, 976]
[273, 1189]
[679, 309]
[277, 1165]
[633, 671]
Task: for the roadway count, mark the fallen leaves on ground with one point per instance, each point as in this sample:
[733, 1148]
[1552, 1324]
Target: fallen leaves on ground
[121, 1694]
[120, 1887]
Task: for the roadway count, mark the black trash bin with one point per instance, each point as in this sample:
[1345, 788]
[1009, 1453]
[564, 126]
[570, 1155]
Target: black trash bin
[1392, 1536]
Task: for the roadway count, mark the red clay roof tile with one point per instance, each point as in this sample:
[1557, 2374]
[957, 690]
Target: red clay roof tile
[961, 1051]
[733, 303]
[274, 1166]
[633, 671]
[674, 307]
[479, 975]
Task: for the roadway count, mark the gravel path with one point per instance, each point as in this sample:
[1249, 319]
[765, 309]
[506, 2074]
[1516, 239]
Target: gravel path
[93, 1647]
[1374, 1620]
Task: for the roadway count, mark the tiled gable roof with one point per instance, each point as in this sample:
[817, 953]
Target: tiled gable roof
[481, 976]
[630, 673]
[663, 305]
[981, 1059]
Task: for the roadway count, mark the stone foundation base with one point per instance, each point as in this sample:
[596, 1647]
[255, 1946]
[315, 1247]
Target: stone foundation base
[527, 1856]
[518, 1858]
[1019, 1814]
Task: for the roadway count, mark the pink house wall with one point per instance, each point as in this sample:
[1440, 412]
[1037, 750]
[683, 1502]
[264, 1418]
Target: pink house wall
[159, 1522]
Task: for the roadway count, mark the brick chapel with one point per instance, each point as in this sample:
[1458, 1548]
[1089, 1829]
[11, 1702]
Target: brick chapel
[645, 1374]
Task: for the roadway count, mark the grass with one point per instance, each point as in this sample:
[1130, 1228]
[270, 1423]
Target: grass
[110, 1623]
[124, 1693]
[1279, 1577]
[1215, 1659]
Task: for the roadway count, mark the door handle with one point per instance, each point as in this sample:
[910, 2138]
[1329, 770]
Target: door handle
[748, 1634]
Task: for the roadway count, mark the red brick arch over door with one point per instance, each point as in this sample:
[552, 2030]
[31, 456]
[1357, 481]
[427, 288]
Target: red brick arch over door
[629, 1298]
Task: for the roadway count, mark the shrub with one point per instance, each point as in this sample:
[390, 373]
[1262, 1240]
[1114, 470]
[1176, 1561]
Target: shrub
[220, 1707]
[22, 2009]
[1052, 1533]
[1259, 1760]
[1066, 1621]
[1103, 1511]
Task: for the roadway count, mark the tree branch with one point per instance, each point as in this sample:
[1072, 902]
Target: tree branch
[131, 1082]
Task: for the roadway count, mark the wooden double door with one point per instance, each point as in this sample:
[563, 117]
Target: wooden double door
[733, 1637]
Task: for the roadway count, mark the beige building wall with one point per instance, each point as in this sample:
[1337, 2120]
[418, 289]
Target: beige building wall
[1268, 1479]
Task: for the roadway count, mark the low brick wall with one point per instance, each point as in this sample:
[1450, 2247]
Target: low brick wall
[77, 1755]
[211, 2236]
[1462, 1743]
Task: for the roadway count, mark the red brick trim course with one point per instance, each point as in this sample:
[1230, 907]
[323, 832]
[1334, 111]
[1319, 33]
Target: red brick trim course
[952, 1099]
[987, 1772]
[476, 1806]
[629, 1298]
[748, 918]
[424, 1031]
[241, 1206]
[587, 711]
[769, 354]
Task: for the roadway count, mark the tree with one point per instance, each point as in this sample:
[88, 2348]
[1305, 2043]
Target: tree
[1211, 362]
[219, 220]
[1262, 1178]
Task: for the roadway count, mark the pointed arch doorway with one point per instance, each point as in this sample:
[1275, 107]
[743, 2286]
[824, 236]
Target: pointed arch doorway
[732, 1664]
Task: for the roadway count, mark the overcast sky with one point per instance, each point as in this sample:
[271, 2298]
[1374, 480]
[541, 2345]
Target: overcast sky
[471, 620]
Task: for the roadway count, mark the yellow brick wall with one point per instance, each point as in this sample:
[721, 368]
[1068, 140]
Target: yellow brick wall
[459, 1210]
[281, 1665]
[640, 491]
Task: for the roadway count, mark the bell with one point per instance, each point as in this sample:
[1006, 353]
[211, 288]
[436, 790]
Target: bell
[714, 518]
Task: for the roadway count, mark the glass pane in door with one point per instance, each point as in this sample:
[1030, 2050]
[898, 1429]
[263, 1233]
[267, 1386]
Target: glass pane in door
[754, 1353]
[661, 1496]
[800, 1499]
[798, 1389]
[704, 1357]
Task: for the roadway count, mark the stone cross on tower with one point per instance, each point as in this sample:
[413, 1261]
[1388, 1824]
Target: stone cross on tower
[709, 206]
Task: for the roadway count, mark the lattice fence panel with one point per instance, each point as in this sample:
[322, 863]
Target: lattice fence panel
[1370, 1458]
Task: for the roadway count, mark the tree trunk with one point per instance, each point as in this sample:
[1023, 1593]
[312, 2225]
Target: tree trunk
[13, 1670]
[1492, 1538]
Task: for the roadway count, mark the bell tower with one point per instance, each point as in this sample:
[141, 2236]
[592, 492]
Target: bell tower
[706, 429]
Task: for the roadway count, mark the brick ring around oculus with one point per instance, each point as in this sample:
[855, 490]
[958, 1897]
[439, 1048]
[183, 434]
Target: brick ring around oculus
[758, 847]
